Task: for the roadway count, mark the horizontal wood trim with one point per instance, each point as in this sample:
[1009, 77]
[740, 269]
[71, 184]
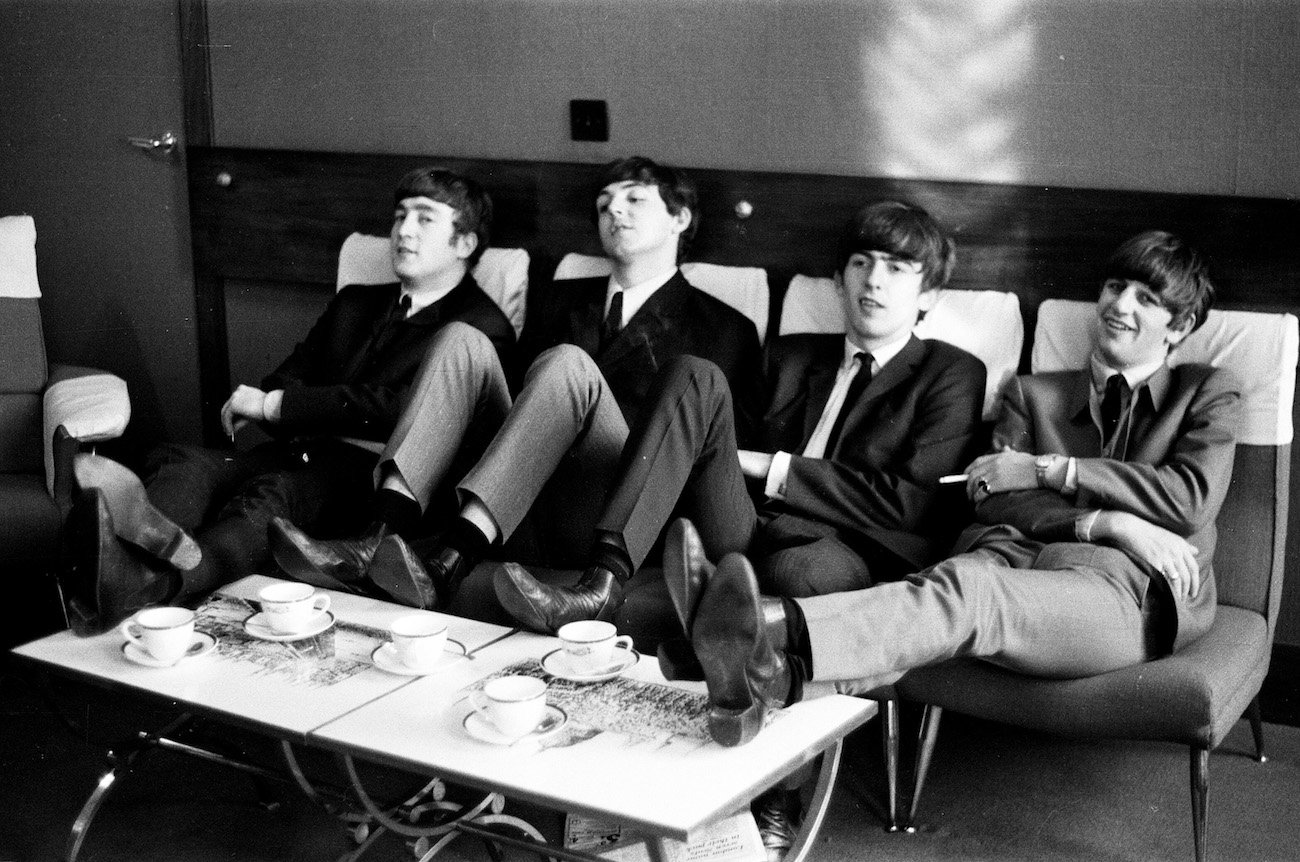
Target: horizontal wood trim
[284, 214]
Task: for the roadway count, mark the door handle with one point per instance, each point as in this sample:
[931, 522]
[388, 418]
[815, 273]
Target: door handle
[164, 143]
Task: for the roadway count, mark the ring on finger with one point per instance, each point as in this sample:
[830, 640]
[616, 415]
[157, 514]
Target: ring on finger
[983, 485]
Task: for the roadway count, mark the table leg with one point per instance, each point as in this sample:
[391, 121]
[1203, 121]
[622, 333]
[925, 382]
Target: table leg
[120, 762]
[818, 805]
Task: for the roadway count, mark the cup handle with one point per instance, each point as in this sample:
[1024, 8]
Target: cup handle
[624, 641]
[129, 630]
[322, 603]
[478, 703]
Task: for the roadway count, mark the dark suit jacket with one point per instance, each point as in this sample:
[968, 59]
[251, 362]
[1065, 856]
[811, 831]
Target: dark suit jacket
[917, 420]
[334, 386]
[677, 320]
[1175, 473]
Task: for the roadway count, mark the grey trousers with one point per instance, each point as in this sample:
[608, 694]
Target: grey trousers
[554, 457]
[1055, 610]
[458, 398]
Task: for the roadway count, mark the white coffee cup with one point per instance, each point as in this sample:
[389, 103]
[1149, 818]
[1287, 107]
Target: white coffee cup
[418, 639]
[164, 633]
[289, 608]
[514, 705]
[589, 645]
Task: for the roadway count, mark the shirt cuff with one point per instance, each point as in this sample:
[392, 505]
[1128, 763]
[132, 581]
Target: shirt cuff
[1083, 525]
[776, 476]
[271, 405]
[1071, 477]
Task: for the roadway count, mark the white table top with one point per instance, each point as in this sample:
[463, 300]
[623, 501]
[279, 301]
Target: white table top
[288, 689]
[636, 749]
[650, 764]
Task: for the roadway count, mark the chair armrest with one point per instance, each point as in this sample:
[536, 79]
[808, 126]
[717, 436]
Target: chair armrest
[90, 405]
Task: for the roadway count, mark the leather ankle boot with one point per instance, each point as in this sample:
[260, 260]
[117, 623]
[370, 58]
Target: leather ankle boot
[686, 570]
[746, 676]
[403, 575]
[135, 519]
[340, 560]
[544, 608]
[677, 658]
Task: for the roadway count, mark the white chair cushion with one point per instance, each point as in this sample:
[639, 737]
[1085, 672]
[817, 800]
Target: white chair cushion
[18, 258]
[501, 272]
[986, 323]
[1260, 348]
[91, 407]
[744, 288]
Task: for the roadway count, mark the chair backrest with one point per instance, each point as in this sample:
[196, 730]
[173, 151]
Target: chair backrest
[23, 369]
[744, 288]
[1261, 349]
[986, 323]
[501, 272]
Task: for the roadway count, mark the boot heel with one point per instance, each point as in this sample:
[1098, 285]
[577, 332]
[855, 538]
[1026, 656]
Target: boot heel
[732, 727]
[135, 519]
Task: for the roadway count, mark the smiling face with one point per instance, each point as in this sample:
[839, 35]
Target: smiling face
[882, 296]
[634, 222]
[424, 243]
[1133, 326]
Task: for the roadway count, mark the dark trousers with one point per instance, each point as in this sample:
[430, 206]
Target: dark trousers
[682, 460]
[226, 498]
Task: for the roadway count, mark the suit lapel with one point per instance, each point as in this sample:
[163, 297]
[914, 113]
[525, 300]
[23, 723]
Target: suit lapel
[821, 380]
[898, 371]
[381, 300]
[1080, 432]
[652, 322]
[586, 316]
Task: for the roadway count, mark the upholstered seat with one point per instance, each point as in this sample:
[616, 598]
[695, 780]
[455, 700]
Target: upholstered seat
[46, 412]
[1195, 696]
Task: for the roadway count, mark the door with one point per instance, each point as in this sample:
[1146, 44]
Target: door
[113, 247]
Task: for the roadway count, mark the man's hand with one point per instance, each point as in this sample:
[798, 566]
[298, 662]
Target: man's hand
[1166, 552]
[999, 473]
[246, 404]
[754, 465]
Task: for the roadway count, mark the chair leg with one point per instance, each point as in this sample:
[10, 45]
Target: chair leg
[929, 735]
[1200, 775]
[1257, 729]
[889, 738]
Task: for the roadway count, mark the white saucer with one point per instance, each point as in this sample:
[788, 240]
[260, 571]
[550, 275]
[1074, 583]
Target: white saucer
[481, 729]
[385, 658]
[556, 663]
[260, 629]
[203, 644]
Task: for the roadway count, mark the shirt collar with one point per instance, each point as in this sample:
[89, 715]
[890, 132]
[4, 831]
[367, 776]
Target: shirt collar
[425, 298]
[880, 356]
[635, 296]
[1150, 374]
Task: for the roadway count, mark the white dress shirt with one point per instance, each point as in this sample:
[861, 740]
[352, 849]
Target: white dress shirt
[774, 488]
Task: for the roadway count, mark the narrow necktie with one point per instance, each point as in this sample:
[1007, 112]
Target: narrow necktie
[1114, 402]
[859, 382]
[396, 314]
[613, 319]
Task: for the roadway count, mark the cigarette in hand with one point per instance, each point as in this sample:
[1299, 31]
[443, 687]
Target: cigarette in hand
[953, 478]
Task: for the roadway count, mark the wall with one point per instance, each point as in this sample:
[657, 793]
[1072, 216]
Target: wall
[1175, 95]
[113, 246]
[1168, 95]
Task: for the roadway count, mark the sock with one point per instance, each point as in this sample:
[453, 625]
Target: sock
[798, 648]
[466, 538]
[396, 511]
[609, 552]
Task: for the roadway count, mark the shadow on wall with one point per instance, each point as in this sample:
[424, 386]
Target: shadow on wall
[942, 83]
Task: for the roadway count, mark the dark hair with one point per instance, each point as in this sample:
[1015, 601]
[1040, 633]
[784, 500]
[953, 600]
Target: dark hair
[903, 230]
[1170, 267]
[472, 205]
[676, 189]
